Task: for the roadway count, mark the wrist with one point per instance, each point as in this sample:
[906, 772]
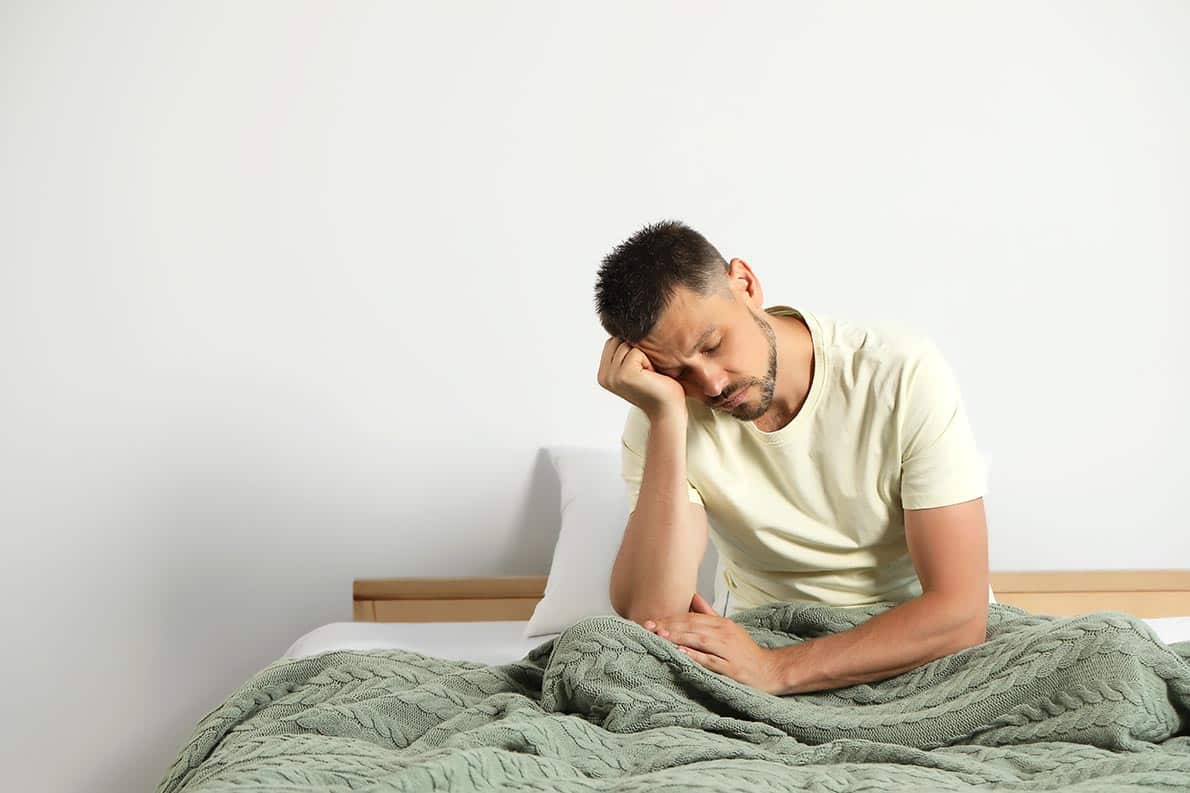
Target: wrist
[792, 665]
[673, 416]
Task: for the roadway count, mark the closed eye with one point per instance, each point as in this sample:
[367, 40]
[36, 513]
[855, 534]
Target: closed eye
[676, 376]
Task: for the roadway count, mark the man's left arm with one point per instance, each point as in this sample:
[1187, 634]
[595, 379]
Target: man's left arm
[949, 549]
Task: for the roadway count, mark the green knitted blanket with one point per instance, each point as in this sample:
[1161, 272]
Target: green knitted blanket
[1089, 703]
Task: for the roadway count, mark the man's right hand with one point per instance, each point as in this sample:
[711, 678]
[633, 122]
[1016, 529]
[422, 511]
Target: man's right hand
[626, 372]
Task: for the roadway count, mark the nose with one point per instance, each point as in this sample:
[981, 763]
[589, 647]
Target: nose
[714, 383]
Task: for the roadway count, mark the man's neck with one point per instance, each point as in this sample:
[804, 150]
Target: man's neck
[795, 372]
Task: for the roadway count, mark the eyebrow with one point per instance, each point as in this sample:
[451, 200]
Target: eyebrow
[697, 344]
[701, 339]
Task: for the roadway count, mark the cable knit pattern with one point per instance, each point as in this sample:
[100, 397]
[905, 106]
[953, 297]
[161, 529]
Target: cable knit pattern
[1089, 703]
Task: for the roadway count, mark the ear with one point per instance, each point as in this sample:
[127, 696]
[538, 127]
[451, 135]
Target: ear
[750, 290]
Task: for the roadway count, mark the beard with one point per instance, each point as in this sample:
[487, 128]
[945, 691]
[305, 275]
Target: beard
[749, 411]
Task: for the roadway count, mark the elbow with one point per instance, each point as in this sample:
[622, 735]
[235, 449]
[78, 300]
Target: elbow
[636, 615]
[962, 622]
[617, 596]
[626, 609]
[639, 610]
[623, 606]
[623, 612]
[971, 632]
[629, 604]
[618, 607]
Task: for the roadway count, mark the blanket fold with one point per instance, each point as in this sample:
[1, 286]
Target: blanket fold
[1094, 702]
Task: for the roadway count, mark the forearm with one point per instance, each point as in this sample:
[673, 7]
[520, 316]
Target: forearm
[656, 569]
[905, 637]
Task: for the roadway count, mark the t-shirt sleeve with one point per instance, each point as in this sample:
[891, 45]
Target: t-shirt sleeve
[940, 462]
[633, 444]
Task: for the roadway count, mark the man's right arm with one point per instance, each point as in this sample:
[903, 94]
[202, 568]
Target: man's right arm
[656, 570]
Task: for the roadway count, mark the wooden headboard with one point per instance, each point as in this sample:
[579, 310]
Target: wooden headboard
[476, 599]
[1142, 593]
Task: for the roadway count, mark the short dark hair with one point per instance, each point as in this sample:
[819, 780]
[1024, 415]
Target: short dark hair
[639, 277]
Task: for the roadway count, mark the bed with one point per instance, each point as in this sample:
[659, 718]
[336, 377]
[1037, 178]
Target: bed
[1083, 684]
[484, 618]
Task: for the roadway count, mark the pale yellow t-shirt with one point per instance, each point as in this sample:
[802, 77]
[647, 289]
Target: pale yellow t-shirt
[815, 510]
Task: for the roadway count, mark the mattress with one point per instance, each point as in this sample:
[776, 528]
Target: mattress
[489, 642]
[502, 641]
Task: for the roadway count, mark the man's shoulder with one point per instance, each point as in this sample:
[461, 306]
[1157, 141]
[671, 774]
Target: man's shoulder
[890, 345]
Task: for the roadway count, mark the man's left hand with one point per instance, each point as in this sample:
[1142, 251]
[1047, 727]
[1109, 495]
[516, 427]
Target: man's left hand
[720, 645]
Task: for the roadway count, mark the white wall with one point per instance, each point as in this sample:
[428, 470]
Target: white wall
[276, 277]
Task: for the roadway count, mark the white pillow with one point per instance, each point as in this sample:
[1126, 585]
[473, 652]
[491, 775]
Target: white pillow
[594, 514]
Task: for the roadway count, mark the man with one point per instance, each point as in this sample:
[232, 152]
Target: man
[835, 462]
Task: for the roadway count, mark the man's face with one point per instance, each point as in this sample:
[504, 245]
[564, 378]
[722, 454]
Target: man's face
[716, 348]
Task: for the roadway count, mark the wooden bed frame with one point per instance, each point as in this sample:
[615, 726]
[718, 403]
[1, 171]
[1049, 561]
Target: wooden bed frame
[1142, 593]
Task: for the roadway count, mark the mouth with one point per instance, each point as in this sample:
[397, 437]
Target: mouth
[735, 399]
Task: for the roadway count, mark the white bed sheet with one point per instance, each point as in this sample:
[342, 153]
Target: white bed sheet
[489, 642]
[502, 641]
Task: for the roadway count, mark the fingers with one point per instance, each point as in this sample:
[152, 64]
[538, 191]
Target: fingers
[609, 349]
[614, 352]
[702, 631]
[712, 662]
[613, 361]
[691, 619]
[697, 640]
[699, 605]
[623, 351]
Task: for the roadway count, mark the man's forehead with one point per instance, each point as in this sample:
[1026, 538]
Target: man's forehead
[679, 335]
